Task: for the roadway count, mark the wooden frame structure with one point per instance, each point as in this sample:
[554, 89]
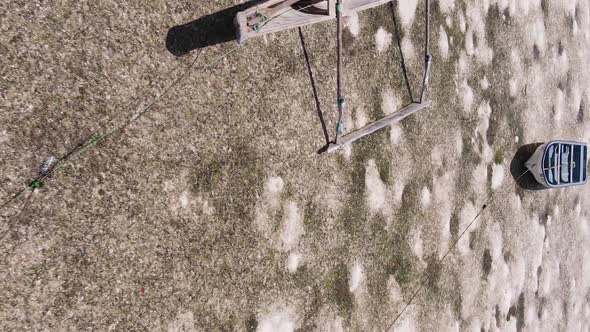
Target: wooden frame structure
[278, 15]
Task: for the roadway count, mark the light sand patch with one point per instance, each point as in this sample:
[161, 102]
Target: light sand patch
[484, 83]
[497, 176]
[561, 62]
[458, 142]
[376, 190]
[469, 48]
[268, 205]
[479, 179]
[483, 113]
[446, 6]
[185, 322]
[407, 12]
[398, 190]
[346, 151]
[390, 102]
[443, 189]
[495, 241]
[352, 23]
[293, 261]
[443, 43]
[357, 276]
[279, 320]
[466, 216]
[558, 106]
[485, 151]
[184, 199]
[407, 322]
[470, 283]
[3, 137]
[536, 34]
[436, 156]
[274, 187]
[408, 49]
[335, 325]
[467, 97]
[425, 198]
[382, 40]
[360, 117]
[396, 134]
[462, 66]
[502, 4]
[417, 244]
[292, 229]
[462, 22]
[516, 80]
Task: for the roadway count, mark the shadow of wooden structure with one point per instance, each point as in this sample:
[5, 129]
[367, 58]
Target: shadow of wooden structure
[518, 167]
[209, 30]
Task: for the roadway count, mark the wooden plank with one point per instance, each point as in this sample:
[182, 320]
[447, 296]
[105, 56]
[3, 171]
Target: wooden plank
[289, 18]
[379, 124]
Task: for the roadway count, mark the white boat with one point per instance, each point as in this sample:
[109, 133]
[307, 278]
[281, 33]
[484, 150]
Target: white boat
[559, 164]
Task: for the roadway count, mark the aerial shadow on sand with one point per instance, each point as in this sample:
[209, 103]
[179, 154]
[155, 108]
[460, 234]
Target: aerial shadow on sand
[209, 30]
[517, 167]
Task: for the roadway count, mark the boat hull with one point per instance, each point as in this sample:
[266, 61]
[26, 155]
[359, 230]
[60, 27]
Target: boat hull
[558, 164]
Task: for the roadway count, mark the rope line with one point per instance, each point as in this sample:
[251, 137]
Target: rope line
[95, 138]
[488, 201]
[15, 196]
[81, 145]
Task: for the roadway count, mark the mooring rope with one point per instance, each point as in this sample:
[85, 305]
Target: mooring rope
[487, 203]
[95, 137]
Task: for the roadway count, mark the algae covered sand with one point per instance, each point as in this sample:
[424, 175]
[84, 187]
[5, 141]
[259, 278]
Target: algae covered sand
[212, 211]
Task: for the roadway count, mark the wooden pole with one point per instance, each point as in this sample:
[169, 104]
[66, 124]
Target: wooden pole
[340, 100]
[427, 57]
[267, 13]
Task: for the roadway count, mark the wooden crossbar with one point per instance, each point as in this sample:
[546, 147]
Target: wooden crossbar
[379, 124]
